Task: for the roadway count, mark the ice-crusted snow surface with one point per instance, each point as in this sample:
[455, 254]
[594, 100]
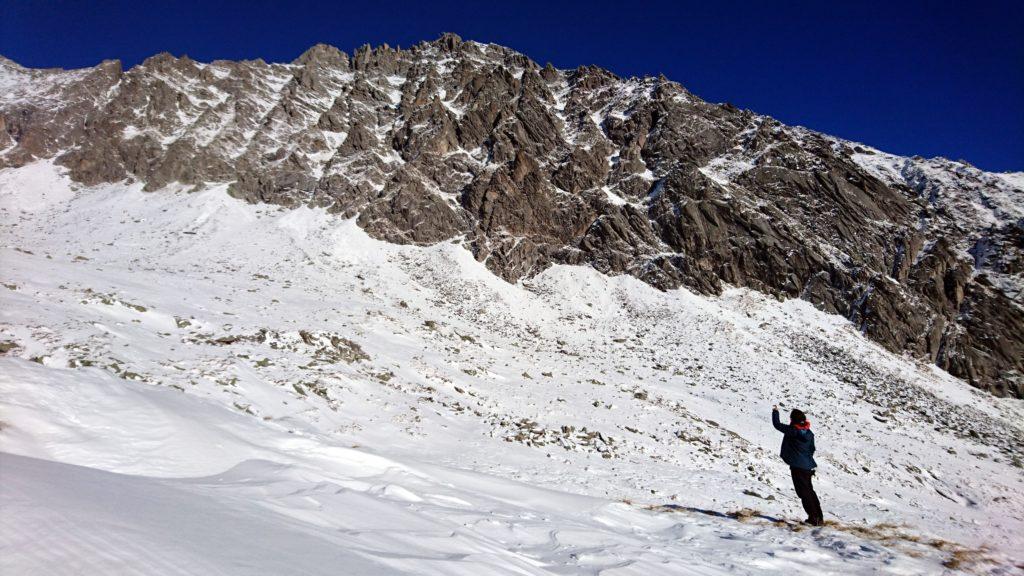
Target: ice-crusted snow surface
[191, 384]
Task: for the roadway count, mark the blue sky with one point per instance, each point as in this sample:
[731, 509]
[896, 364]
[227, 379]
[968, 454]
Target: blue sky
[928, 78]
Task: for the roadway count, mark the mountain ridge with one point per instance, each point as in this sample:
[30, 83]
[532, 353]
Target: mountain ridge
[530, 166]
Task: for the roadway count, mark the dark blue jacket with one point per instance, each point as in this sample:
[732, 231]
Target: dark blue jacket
[797, 445]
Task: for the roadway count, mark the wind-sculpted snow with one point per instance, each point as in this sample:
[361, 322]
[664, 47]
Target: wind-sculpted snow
[529, 166]
[193, 384]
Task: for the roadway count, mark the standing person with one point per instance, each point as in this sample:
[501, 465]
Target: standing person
[798, 452]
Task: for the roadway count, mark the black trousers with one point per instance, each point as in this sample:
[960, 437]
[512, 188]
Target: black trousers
[805, 490]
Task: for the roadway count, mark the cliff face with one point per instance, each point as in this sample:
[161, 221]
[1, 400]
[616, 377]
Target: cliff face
[529, 166]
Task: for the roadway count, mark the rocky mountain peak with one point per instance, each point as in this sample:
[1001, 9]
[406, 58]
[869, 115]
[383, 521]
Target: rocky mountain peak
[530, 166]
[449, 42]
[323, 55]
[10, 64]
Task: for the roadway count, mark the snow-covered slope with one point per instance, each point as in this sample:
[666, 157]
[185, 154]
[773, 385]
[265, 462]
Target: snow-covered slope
[192, 384]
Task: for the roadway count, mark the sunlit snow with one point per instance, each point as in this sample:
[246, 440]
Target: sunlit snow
[191, 384]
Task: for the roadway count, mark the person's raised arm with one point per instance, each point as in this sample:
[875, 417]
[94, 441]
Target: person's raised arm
[775, 421]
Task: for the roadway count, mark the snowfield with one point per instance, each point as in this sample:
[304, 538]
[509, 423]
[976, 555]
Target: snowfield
[193, 385]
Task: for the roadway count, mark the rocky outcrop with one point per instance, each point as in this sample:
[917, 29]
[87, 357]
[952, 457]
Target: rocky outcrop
[530, 166]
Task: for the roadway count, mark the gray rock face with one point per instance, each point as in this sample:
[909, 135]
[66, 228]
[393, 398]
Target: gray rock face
[531, 166]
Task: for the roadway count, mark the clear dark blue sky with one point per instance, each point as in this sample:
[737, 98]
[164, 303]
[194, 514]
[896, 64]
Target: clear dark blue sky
[929, 78]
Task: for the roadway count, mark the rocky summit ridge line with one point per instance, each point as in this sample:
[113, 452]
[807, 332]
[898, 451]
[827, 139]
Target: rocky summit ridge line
[529, 166]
